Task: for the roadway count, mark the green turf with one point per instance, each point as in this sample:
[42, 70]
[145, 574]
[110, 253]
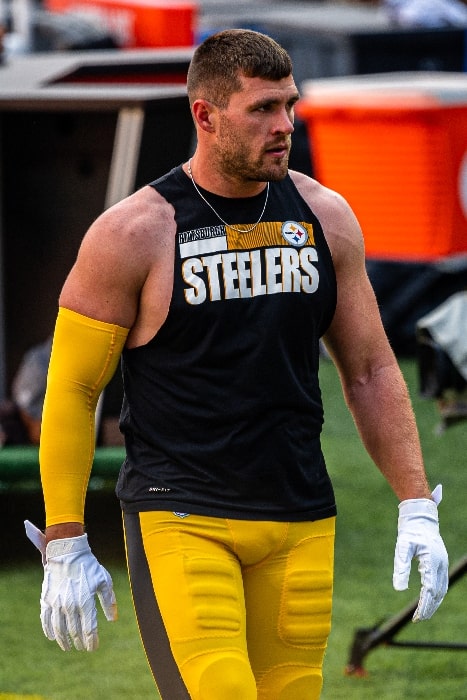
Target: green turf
[33, 666]
[364, 557]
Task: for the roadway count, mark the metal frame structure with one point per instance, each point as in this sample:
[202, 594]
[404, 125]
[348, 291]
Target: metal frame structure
[367, 639]
[140, 88]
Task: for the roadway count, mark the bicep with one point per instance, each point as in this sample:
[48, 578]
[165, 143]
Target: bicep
[105, 280]
[356, 338]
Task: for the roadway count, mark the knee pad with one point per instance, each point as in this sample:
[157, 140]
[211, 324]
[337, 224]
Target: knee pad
[291, 683]
[221, 675]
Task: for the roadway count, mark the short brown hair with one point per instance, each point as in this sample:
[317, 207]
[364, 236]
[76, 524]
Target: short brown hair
[218, 63]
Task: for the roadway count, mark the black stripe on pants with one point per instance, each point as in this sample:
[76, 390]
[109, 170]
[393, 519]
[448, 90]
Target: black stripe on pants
[151, 626]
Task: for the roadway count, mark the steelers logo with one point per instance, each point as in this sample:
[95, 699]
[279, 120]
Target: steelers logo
[294, 233]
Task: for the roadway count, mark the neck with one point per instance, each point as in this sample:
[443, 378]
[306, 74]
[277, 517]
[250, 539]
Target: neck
[214, 210]
[218, 183]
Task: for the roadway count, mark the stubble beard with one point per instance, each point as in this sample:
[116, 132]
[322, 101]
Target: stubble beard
[241, 167]
[235, 161]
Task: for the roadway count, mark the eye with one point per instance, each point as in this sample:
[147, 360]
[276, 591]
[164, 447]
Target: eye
[264, 107]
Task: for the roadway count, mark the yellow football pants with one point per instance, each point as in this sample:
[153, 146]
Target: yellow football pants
[232, 609]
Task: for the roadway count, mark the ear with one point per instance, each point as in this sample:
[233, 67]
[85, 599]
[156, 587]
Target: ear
[204, 113]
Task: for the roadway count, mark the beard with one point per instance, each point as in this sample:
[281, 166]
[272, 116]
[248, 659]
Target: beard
[235, 159]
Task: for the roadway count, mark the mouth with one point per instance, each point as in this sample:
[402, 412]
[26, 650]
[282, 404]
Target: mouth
[278, 151]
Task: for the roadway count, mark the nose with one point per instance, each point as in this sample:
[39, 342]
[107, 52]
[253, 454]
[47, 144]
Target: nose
[285, 122]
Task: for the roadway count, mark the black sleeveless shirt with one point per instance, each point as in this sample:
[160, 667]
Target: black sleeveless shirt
[222, 412]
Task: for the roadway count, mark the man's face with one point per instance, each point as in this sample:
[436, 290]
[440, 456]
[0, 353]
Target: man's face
[254, 131]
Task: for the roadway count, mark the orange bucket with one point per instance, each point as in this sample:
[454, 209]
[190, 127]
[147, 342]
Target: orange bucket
[138, 23]
[400, 161]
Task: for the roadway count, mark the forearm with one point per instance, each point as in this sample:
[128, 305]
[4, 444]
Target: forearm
[382, 411]
[84, 357]
[56, 532]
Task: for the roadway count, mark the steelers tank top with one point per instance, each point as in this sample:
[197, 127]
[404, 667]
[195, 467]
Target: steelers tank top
[222, 409]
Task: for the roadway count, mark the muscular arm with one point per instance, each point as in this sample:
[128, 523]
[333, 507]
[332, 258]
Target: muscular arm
[373, 385]
[104, 303]
[84, 357]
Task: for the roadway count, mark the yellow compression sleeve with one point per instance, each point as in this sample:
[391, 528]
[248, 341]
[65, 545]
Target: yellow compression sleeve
[85, 355]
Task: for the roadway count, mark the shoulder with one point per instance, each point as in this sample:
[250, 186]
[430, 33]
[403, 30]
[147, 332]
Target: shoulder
[135, 228]
[127, 245]
[340, 225]
[328, 205]
[143, 212]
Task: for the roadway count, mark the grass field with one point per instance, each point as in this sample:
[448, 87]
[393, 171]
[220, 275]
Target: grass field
[32, 666]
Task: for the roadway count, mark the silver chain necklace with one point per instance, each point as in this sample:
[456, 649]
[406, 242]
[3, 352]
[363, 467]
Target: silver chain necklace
[238, 230]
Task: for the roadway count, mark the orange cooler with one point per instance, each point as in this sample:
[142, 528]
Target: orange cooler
[398, 154]
[138, 23]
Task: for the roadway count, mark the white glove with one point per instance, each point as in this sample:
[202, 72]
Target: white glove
[72, 578]
[418, 537]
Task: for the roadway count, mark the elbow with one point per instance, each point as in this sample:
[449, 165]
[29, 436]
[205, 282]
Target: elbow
[373, 380]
